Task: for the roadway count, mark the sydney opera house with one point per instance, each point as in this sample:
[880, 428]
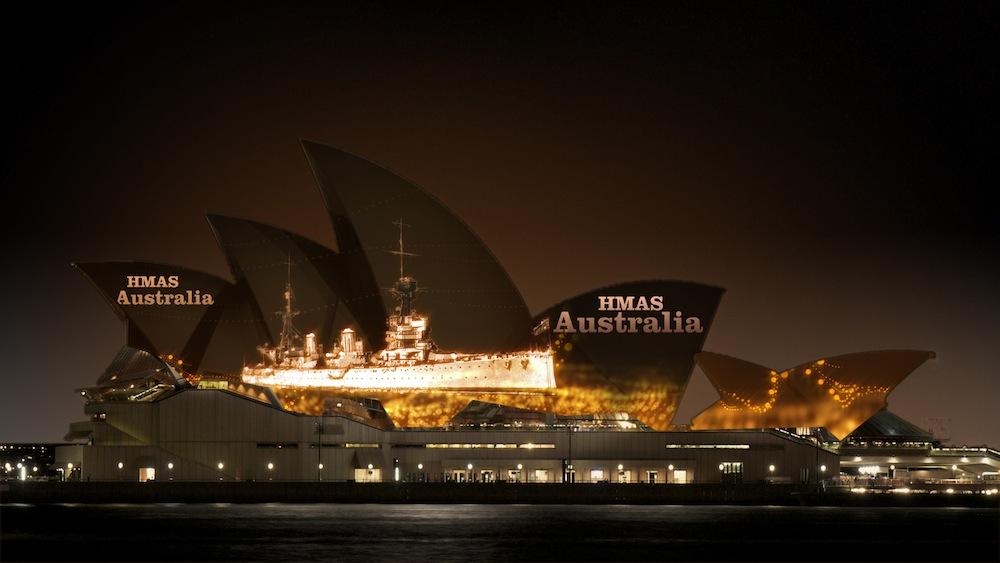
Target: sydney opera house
[407, 353]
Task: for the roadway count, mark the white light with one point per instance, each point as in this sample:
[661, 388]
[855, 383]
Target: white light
[120, 465]
[395, 473]
[857, 459]
[822, 468]
[170, 465]
[420, 466]
[520, 467]
[320, 466]
[370, 467]
[34, 469]
[770, 468]
[965, 460]
[19, 466]
[270, 466]
[892, 467]
[954, 467]
[69, 466]
[949, 490]
[470, 467]
[221, 465]
[6, 467]
[670, 467]
[721, 467]
[620, 467]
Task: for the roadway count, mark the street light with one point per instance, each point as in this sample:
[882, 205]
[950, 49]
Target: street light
[121, 465]
[822, 468]
[770, 468]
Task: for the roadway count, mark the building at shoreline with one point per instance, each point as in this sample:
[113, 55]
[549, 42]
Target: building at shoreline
[176, 403]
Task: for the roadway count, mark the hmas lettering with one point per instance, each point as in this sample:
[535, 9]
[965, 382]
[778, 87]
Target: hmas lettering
[153, 281]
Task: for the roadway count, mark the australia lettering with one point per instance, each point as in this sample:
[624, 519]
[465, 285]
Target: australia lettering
[181, 297]
[665, 322]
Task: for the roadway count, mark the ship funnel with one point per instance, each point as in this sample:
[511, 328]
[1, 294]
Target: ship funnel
[347, 342]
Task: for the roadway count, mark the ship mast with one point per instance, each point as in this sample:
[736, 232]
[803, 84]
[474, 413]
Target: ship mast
[289, 334]
[405, 288]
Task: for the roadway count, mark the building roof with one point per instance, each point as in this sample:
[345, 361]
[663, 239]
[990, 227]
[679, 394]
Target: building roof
[885, 424]
[838, 392]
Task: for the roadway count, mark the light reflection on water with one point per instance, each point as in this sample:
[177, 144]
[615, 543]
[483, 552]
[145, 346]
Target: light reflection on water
[278, 531]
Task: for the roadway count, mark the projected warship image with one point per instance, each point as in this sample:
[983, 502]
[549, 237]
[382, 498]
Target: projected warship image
[410, 360]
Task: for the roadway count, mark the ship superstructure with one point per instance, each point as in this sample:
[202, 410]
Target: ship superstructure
[409, 361]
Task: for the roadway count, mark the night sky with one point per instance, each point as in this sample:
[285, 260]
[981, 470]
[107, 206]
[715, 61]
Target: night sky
[831, 166]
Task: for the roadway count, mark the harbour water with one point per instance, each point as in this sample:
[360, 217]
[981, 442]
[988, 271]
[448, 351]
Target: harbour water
[353, 532]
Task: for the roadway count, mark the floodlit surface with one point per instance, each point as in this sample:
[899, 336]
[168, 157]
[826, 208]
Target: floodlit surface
[837, 393]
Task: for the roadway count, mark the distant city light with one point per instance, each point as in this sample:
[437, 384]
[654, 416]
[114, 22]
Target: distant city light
[221, 465]
[670, 467]
[420, 466]
[770, 468]
[69, 466]
[170, 465]
[320, 466]
[822, 468]
[470, 467]
[270, 466]
[120, 465]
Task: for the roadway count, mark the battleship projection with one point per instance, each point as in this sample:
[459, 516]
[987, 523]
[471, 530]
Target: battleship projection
[410, 361]
[352, 334]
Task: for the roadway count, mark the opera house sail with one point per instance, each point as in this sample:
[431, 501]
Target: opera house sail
[838, 393]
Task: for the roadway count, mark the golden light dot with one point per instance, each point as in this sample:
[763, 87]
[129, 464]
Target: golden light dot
[819, 382]
[771, 391]
[784, 375]
[820, 362]
[809, 371]
[831, 391]
[774, 380]
[836, 397]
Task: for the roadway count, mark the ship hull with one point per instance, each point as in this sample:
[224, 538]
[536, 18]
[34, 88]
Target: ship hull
[520, 372]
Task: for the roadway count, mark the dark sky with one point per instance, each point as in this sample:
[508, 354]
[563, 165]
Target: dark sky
[832, 166]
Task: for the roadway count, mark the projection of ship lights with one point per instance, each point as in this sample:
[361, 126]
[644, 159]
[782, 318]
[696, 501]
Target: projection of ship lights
[838, 393]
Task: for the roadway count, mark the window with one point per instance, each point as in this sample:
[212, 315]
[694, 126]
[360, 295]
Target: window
[596, 475]
[732, 467]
